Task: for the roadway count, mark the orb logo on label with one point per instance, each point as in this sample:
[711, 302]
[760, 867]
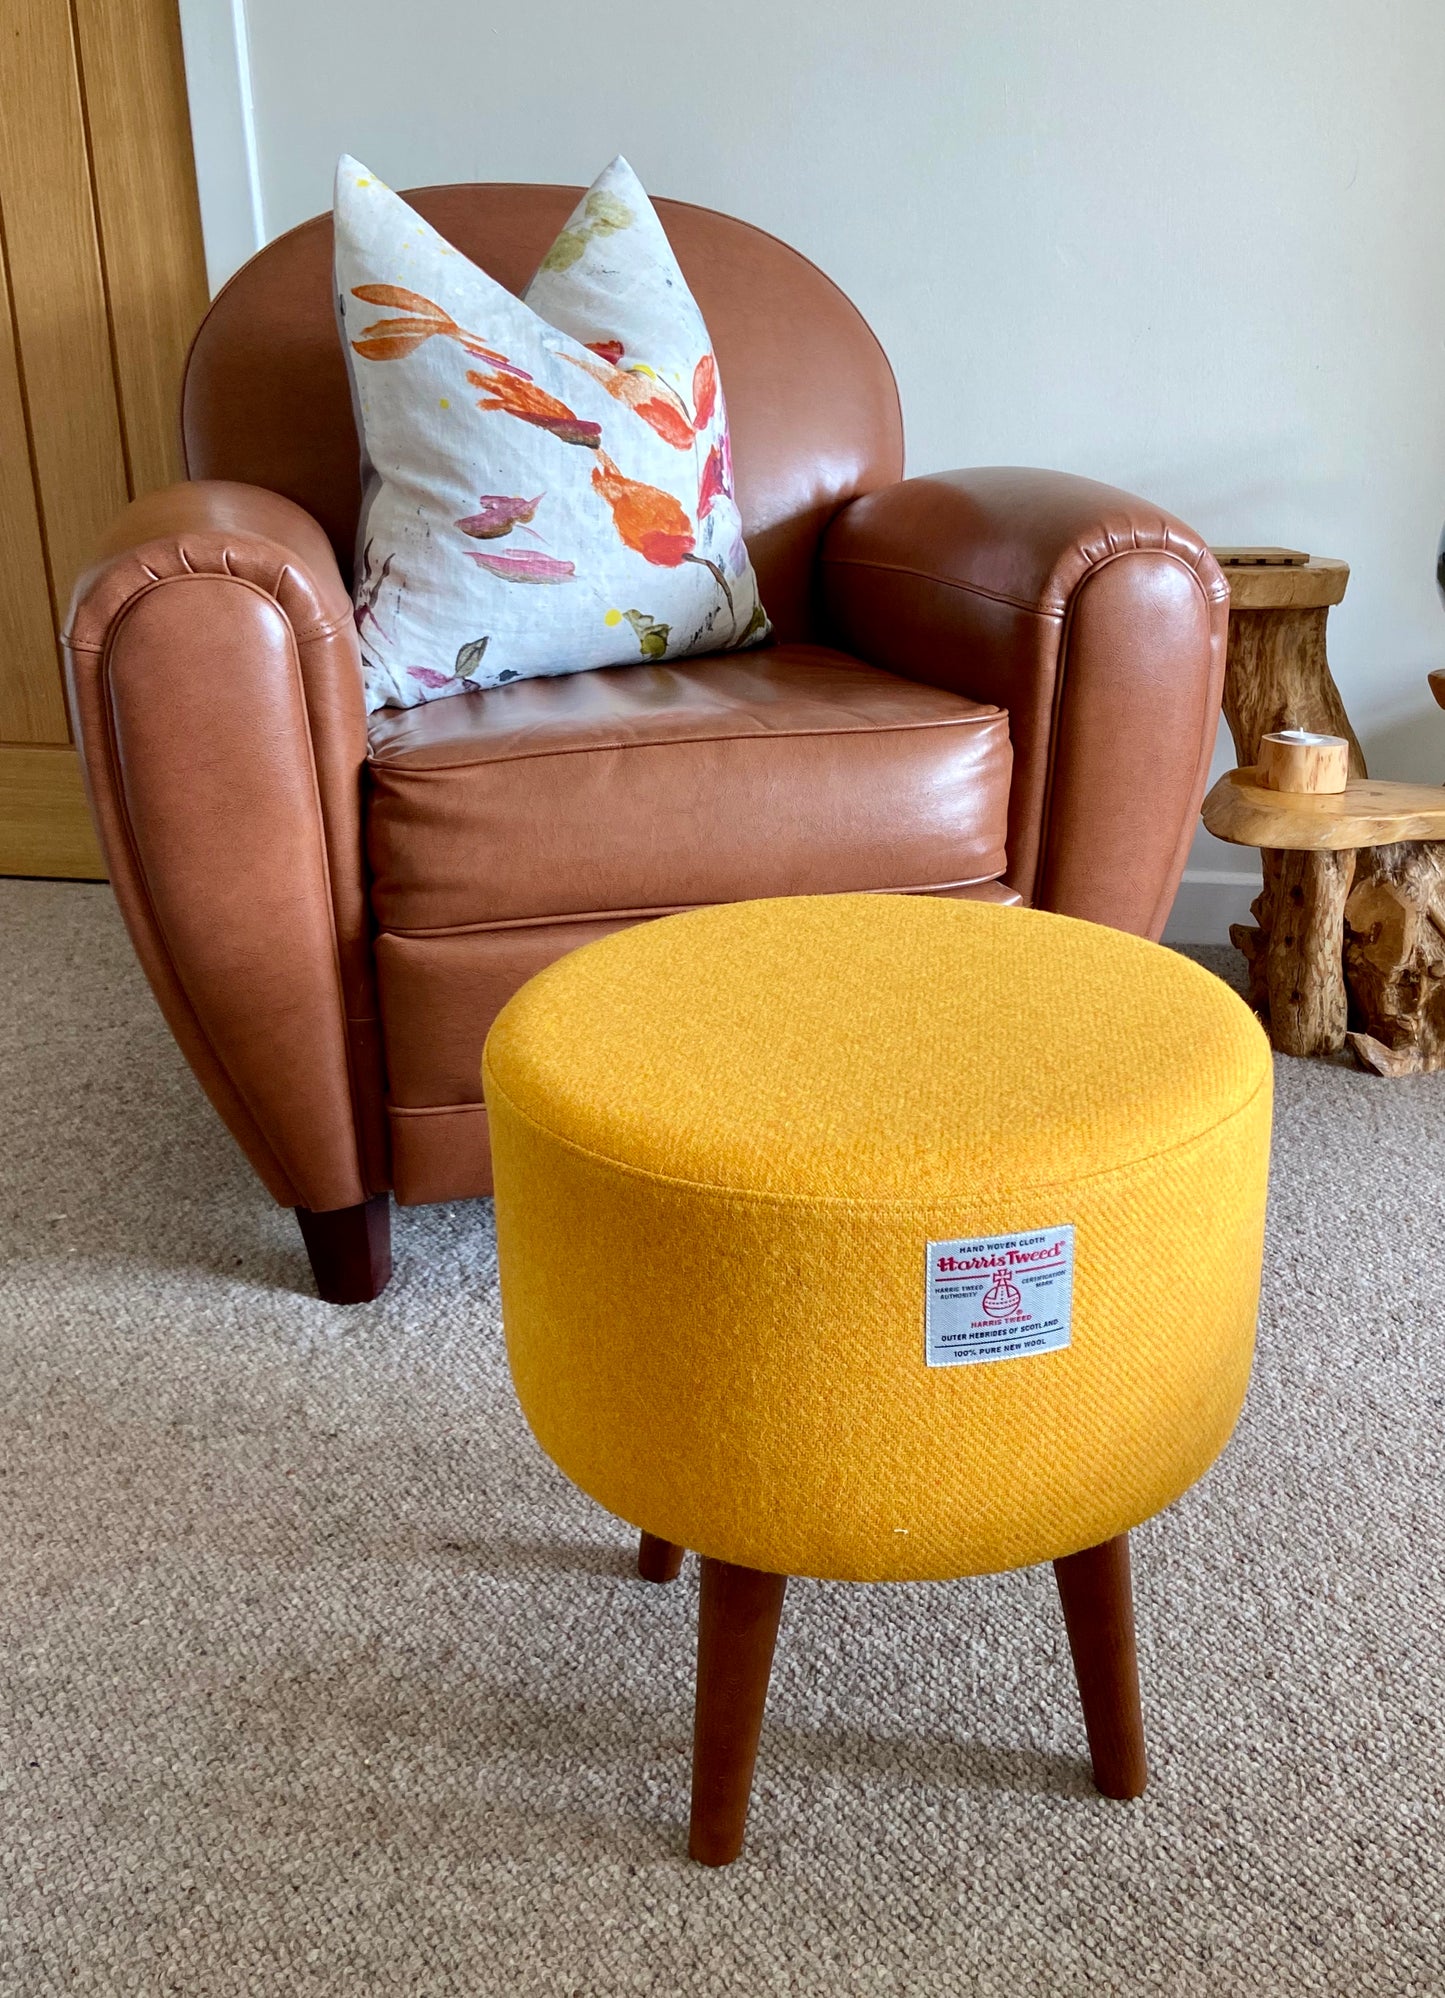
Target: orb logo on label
[1003, 1298]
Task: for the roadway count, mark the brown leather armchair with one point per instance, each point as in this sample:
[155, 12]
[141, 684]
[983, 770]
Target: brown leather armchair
[994, 683]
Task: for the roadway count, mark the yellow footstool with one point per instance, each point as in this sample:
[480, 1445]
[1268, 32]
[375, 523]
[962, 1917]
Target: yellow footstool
[881, 1238]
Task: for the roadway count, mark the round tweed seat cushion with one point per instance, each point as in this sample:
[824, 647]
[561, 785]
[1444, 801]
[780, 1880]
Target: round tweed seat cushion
[724, 1143]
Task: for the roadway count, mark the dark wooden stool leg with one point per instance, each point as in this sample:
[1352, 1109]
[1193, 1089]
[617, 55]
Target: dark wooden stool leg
[1098, 1601]
[737, 1627]
[658, 1560]
[350, 1250]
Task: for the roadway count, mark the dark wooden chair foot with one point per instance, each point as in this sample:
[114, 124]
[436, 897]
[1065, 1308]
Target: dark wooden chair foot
[1098, 1601]
[658, 1560]
[737, 1627]
[350, 1250]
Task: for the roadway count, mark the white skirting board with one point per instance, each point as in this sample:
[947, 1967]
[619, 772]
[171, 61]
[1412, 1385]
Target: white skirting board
[1209, 900]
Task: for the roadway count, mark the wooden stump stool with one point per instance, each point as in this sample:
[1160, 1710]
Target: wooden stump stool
[1277, 677]
[1277, 673]
[1348, 943]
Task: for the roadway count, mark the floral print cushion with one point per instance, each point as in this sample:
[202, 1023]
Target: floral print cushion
[548, 483]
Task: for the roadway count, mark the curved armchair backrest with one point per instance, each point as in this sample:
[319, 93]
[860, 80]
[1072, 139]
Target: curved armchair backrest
[811, 397]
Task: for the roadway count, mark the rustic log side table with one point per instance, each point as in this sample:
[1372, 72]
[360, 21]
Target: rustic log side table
[1350, 943]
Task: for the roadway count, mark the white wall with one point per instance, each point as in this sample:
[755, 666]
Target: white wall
[1195, 250]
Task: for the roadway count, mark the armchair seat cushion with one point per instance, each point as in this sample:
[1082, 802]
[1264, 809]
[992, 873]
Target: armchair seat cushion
[638, 789]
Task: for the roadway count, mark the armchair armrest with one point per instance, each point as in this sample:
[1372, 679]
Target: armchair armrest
[215, 689]
[1097, 620]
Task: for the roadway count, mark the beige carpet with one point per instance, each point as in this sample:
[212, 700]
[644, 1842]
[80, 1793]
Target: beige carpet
[318, 1678]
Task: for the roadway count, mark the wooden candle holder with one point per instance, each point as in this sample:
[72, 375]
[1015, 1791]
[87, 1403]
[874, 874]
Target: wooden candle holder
[1295, 759]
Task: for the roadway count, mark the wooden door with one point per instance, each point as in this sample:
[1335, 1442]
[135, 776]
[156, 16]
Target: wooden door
[102, 283]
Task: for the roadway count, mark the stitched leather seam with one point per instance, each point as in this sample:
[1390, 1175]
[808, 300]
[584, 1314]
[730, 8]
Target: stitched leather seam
[432, 1109]
[509, 925]
[1044, 610]
[348, 1047]
[328, 629]
[960, 583]
[302, 635]
[324, 628]
[387, 765]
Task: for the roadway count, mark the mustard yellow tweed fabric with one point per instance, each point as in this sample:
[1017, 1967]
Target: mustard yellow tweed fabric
[722, 1142]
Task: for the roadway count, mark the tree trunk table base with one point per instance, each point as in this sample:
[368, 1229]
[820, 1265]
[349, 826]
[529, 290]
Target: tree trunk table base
[1296, 956]
[1349, 953]
[1395, 958]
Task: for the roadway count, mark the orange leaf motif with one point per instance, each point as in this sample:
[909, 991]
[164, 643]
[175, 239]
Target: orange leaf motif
[713, 484]
[400, 300]
[659, 406]
[533, 405]
[647, 519]
[421, 327]
[704, 392]
[388, 347]
[394, 339]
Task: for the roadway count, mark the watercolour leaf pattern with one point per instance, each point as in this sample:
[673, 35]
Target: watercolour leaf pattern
[652, 637]
[529, 567]
[496, 516]
[704, 391]
[647, 519]
[420, 320]
[714, 484]
[661, 408]
[592, 412]
[522, 398]
[602, 214]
